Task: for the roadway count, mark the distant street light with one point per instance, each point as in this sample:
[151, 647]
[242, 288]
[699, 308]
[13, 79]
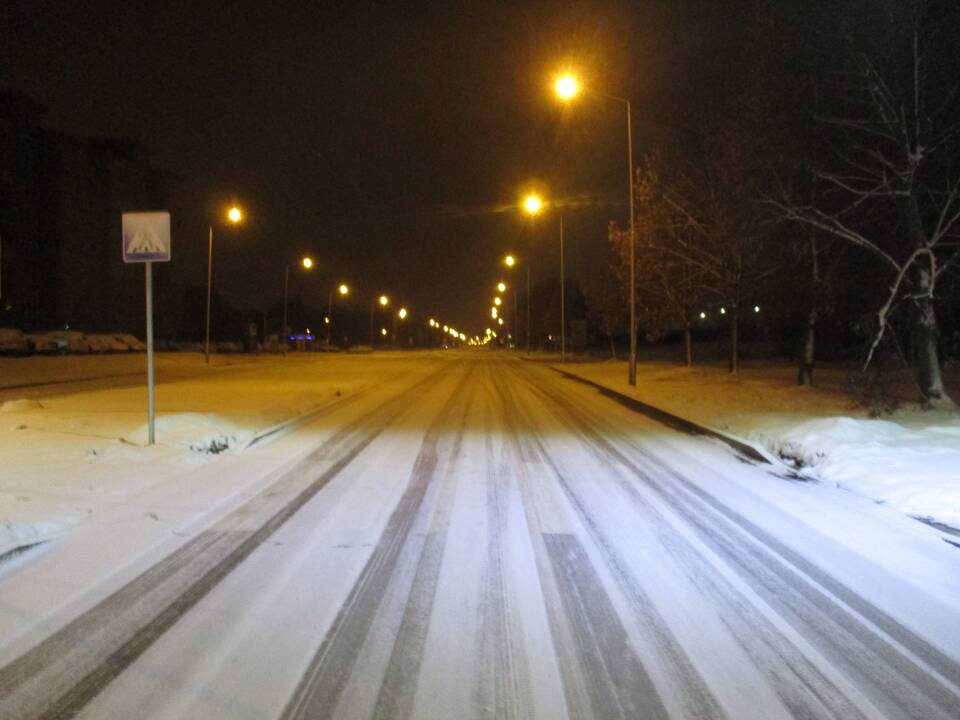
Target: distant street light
[383, 301]
[402, 313]
[234, 215]
[567, 87]
[501, 287]
[343, 289]
[307, 264]
[510, 261]
[497, 301]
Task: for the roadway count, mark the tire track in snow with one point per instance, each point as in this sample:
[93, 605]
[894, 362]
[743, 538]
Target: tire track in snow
[818, 606]
[602, 672]
[320, 690]
[60, 675]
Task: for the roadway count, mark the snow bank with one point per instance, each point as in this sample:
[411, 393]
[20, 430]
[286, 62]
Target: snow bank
[15, 535]
[913, 468]
[910, 461]
[203, 433]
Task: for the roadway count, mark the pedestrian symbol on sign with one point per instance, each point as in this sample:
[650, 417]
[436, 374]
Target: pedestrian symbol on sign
[146, 237]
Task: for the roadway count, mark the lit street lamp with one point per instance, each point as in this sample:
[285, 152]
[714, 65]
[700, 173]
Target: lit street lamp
[307, 264]
[568, 87]
[533, 205]
[383, 301]
[510, 261]
[343, 290]
[234, 215]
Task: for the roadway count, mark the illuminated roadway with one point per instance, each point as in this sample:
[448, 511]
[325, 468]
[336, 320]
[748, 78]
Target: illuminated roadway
[482, 538]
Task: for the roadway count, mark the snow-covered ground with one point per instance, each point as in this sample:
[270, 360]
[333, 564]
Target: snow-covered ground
[909, 460]
[78, 445]
[442, 535]
[454, 535]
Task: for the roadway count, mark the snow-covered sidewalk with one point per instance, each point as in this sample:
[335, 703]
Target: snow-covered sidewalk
[67, 455]
[909, 460]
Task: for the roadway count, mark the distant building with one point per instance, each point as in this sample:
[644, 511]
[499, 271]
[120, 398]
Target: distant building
[61, 200]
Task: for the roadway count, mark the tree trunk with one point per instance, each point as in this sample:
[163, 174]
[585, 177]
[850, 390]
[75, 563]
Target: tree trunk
[929, 378]
[688, 343]
[924, 328]
[805, 373]
[734, 340]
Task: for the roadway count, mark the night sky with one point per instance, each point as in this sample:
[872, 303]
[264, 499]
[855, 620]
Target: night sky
[389, 141]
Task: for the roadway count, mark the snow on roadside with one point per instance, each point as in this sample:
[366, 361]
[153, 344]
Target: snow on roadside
[912, 467]
[68, 455]
[909, 461]
[15, 535]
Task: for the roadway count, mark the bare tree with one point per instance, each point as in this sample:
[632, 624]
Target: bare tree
[892, 193]
[670, 289]
[719, 231]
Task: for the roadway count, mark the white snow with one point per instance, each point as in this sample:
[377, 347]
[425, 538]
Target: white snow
[909, 460]
[72, 450]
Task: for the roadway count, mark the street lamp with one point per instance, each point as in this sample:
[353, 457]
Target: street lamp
[567, 87]
[510, 261]
[402, 315]
[234, 215]
[383, 301]
[501, 287]
[344, 290]
[307, 264]
[533, 205]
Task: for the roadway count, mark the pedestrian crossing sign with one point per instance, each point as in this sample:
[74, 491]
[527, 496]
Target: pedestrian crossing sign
[146, 237]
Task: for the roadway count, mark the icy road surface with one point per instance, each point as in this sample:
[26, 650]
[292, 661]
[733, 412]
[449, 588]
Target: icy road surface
[488, 540]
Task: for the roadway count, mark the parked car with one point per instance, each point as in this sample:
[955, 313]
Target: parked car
[106, 344]
[41, 344]
[132, 343]
[13, 342]
[71, 342]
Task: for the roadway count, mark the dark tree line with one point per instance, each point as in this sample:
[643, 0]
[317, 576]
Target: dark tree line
[829, 171]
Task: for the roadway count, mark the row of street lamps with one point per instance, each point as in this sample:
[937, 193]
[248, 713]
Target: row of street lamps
[234, 215]
[567, 87]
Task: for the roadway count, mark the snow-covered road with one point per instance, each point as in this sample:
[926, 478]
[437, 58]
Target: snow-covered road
[482, 538]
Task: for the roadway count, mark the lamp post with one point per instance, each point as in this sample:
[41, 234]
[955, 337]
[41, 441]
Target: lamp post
[234, 215]
[510, 261]
[568, 87]
[383, 301]
[307, 264]
[343, 289]
[533, 205]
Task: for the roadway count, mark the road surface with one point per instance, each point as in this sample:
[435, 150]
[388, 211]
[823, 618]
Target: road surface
[489, 540]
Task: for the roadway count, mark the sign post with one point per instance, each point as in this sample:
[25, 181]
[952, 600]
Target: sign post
[146, 239]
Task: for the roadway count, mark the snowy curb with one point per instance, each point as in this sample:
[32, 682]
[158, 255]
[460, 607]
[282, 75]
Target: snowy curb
[299, 421]
[675, 422]
[20, 536]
